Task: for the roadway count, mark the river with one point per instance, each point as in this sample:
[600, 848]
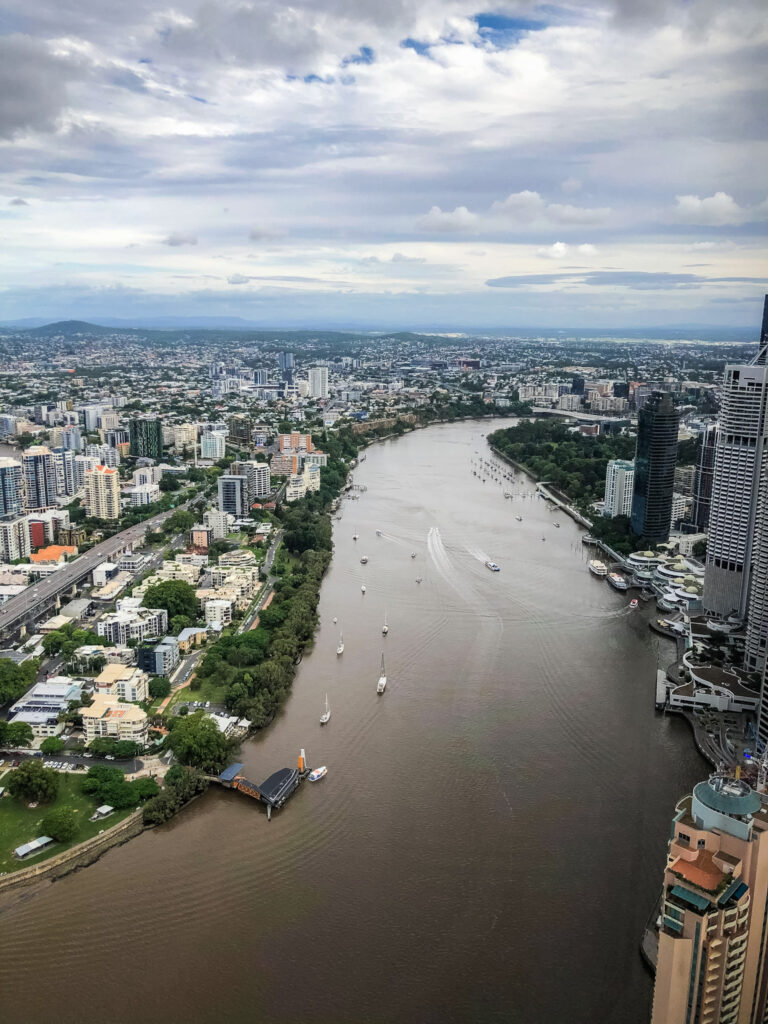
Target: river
[491, 834]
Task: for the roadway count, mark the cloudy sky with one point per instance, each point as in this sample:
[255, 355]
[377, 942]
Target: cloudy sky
[416, 163]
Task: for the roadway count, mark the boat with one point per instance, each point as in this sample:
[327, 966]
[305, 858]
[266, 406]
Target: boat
[317, 773]
[507, 494]
[385, 627]
[326, 716]
[340, 648]
[382, 683]
[617, 581]
[557, 525]
[378, 533]
[519, 519]
[364, 560]
[492, 566]
[413, 554]
[633, 603]
[362, 589]
[355, 536]
[598, 568]
[335, 620]
[419, 579]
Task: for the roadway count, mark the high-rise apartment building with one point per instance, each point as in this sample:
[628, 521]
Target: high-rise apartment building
[71, 438]
[66, 474]
[39, 477]
[185, 436]
[619, 482]
[286, 364]
[240, 429]
[655, 458]
[213, 445]
[318, 382]
[702, 484]
[146, 436]
[233, 494]
[14, 538]
[258, 477]
[740, 455]
[11, 487]
[102, 493]
[711, 962]
[106, 454]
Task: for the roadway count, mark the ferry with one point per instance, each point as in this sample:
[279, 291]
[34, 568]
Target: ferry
[364, 560]
[617, 581]
[317, 773]
[598, 568]
[492, 566]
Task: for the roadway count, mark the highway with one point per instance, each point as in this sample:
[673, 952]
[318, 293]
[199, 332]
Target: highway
[39, 594]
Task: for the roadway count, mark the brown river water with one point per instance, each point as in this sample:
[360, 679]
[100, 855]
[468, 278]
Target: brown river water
[489, 839]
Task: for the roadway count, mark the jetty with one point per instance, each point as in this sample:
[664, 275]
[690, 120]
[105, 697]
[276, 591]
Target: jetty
[274, 791]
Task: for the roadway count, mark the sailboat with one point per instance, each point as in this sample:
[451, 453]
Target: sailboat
[355, 535]
[340, 648]
[382, 683]
[385, 627]
[362, 589]
[326, 716]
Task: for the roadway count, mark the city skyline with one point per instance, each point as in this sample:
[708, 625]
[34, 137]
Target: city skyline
[423, 166]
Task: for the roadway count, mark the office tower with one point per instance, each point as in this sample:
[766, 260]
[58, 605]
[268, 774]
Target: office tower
[655, 458]
[146, 436]
[213, 445]
[577, 385]
[233, 494]
[740, 454]
[619, 481]
[702, 484]
[71, 438]
[107, 420]
[217, 369]
[102, 493]
[711, 963]
[14, 538]
[240, 429]
[318, 382]
[66, 477]
[11, 487]
[260, 377]
[7, 425]
[115, 437]
[286, 364]
[39, 477]
[640, 395]
[620, 389]
[257, 474]
[91, 414]
[106, 454]
[756, 646]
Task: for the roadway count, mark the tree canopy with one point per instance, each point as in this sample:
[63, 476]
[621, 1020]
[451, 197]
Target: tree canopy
[197, 741]
[61, 824]
[31, 781]
[15, 734]
[175, 596]
[15, 679]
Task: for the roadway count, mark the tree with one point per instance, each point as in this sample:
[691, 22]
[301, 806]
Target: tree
[168, 482]
[196, 741]
[15, 679]
[15, 734]
[61, 824]
[175, 596]
[52, 745]
[177, 623]
[31, 781]
[159, 687]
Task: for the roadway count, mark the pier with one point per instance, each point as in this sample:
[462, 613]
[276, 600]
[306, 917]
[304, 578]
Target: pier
[273, 792]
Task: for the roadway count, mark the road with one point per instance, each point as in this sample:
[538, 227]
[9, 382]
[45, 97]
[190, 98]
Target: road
[37, 596]
[267, 565]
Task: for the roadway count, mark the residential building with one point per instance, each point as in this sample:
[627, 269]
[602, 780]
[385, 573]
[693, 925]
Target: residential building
[740, 456]
[702, 484]
[571, 403]
[185, 436]
[105, 453]
[53, 554]
[286, 363]
[14, 538]
[131, 622]
[213, 445]
[128, 682]
[318, 382]
[102, 493]
[258, 477]
[84, 463]
[147, 475]
[71, 438]
[285, 464]
[201, 536]
[219, 611]
[295, 442]
[143, 494]
[685, 478]
[42, 704]
[11, 487]
[240, 427]
[655, 458]
[192, 636]
[66, 475]
[161, 659]
[711, 965]
[681, 504]
[233, 494]
[146, 437]
[619, 483]
[296, 488]
[316, 459]
[39, 477]
[109, 717]
[221, 523]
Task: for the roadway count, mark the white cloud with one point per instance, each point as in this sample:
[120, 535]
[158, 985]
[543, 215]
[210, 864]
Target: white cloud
[565, 214]
[399, 257]
[715, 211]
[177, 238]
[238, 279]
[570, 185]
[529, 208]
[460, 219]
[586, 249]
[556, 251]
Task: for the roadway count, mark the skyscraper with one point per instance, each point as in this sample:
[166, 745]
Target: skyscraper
[655, 459]
[11, 487]
[213, 445]
[257, 475]
[39, 477]
[241, 429]
[740, 454]
[66, 477]
[233, 494]
[619, 480]
[318, 382]
[711, 965]
[285, 362]
[102, 493]
[146, 437]
[702, 484]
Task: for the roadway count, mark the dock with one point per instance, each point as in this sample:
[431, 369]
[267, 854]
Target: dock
[274, 791]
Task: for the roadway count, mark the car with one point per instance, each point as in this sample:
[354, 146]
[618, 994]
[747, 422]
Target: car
[87, 755]
[207, 703]
[16, 764]
[110, 757]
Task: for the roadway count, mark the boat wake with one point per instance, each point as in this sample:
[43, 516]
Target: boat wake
[442, 562]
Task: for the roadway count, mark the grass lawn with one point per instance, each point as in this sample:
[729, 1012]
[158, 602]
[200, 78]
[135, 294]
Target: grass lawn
[20, 824]
[208, 690]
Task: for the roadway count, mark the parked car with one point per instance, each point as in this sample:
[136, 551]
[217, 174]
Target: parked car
[110, 757]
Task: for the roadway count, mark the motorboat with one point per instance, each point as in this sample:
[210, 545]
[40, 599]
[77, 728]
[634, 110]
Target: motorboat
[355, 536]
[519, 519]
[335, 620]
[326, 715]
[340, 648]
[598, 568]
[492, 566]
[318, 773]
[413, 554]
[378, 533]
[419, 579]
[385, 627]
[362, 589]
[382, 683]
[633, 603]
[557, 525]
[364, 560]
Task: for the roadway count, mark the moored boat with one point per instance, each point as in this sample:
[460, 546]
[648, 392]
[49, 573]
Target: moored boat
[326, 715]
[598, 568]
[317, 773]
[382, 683]
[617, 580]
[340, 648]
[364, 560]
[633, 603]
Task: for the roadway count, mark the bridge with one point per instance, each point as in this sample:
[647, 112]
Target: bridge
[582, 417]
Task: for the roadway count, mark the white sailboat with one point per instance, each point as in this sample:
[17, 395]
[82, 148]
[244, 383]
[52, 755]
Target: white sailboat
[382, 683]
[385, 627]
[362, 589]
[326, 716]
[340, 648]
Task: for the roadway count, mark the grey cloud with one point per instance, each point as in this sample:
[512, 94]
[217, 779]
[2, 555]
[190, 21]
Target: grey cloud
[399, 257]
[263, 234]
[33, 85]
[177, 238]
[635, 279]
[18, 202]
[238, 279]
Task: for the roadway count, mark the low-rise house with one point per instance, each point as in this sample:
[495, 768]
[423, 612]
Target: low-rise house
[109, 717]
[192, 636]
[53, 554]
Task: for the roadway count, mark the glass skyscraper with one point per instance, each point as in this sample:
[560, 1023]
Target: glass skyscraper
[655, 459]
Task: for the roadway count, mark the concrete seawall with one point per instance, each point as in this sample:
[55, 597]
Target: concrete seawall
[76, 857]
